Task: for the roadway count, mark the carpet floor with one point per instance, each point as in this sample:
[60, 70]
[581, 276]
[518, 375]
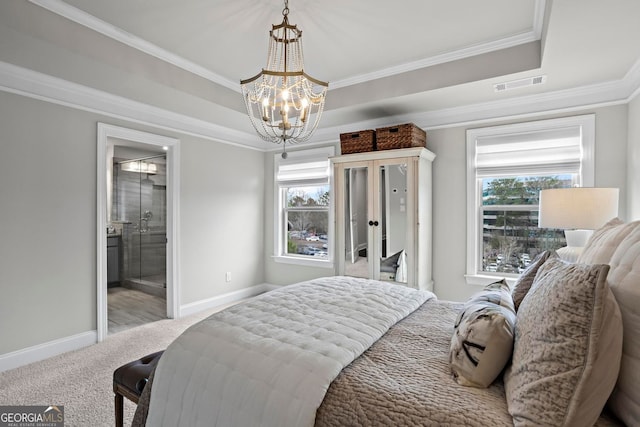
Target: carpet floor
[82, 380]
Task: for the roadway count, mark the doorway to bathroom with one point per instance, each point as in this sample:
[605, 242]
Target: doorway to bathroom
[137, 238]
[137, 233]
[139, 216]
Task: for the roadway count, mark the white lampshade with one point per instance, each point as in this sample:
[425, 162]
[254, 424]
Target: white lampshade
[580, 209]
[577, 208]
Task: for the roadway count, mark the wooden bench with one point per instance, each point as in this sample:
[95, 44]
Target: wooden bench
[129, 381]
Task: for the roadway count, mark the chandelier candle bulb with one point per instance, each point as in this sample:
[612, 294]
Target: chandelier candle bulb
[305, 109]
[265, 109]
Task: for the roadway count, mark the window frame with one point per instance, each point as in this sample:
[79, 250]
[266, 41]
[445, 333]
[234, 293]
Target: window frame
[280, 209]
[475, 210]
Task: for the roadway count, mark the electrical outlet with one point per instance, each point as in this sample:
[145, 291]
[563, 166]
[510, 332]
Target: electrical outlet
[227, 276]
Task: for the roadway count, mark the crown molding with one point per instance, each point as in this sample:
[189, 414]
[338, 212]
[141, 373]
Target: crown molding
[47, 88]
[76, 15]
[633, 80]
[538, 18]
[463, 53]
[526, 37]
[80, 17]
[44, 87]
[466, 52]
[608, 93]
[574, 99]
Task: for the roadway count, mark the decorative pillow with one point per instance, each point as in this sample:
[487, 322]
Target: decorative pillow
[482, 340]
[624, 281]
[567, 347]
[524, 282]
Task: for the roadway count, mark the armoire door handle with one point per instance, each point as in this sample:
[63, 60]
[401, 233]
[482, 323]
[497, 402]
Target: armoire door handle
[373, 223]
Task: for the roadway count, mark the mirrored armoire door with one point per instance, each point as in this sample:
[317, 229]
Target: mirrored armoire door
[383, 220]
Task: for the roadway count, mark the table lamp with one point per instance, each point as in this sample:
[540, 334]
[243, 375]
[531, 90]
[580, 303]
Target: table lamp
[578, 211]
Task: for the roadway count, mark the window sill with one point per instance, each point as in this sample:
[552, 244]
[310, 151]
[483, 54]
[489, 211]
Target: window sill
[485, 279]
[308, 262]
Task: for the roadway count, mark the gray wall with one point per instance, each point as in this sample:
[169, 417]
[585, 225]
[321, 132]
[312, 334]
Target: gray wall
[48, 198]
[48, 219]
[222, 226]
[279, 273]
[47, 222]
[633, 161]
[449, 195]
[449, 191]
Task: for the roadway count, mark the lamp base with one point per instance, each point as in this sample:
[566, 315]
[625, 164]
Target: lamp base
[577, 237]
[576, 241]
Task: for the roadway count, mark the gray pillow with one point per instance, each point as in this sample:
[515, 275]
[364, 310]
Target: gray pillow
[483, 336]
[524, 282]
[567, 348]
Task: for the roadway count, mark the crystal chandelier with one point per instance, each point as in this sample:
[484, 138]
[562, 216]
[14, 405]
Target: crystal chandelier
[284, 103]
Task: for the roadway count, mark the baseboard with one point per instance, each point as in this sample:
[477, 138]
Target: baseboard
[45, 350]
[228, 298]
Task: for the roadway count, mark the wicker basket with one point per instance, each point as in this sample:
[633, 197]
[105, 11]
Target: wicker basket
[358, 142]
[400, 136]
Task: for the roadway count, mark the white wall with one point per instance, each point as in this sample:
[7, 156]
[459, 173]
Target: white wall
[48, 219]
[633, 161]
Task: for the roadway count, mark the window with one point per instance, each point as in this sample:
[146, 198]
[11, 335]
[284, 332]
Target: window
[507, 168]
[304, 226]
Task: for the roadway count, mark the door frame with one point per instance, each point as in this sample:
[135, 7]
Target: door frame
[105, 132]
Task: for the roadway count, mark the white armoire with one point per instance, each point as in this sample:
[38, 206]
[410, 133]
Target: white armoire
[383, 215]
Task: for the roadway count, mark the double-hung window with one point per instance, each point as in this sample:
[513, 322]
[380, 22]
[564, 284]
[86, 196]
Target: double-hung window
[304, 228]
[507, 166]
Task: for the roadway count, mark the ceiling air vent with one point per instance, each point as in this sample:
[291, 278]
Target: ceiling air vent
[516, 84]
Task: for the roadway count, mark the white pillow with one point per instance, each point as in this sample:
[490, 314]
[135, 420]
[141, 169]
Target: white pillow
[603, 243]
[624, 280]
[483, 336]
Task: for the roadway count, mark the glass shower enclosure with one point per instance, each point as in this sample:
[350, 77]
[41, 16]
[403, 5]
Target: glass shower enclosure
[140, 208]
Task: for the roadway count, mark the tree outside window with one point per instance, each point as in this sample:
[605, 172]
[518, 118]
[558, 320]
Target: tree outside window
[510, 236]
[307, 219]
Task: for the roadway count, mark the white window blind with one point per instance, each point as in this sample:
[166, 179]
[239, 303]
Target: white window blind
[304, 167]
[549, 151]
[303, 171]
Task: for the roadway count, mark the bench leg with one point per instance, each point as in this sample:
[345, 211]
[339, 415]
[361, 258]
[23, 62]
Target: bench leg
[119, 403]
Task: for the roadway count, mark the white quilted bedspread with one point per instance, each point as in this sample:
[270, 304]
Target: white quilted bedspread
[269, 361]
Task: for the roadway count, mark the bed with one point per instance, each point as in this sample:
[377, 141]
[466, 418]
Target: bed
[391, 359]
